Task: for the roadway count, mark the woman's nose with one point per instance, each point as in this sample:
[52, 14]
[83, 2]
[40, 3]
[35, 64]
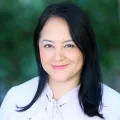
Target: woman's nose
[59, 55]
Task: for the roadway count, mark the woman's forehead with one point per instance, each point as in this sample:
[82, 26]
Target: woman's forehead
[55, 24]
[55, 29]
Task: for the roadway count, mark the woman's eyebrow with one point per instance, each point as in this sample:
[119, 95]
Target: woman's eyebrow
[67, 41]
[54, 42]
[46, 41]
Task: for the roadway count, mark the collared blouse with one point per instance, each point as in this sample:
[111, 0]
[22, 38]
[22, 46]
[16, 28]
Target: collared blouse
[46, 108]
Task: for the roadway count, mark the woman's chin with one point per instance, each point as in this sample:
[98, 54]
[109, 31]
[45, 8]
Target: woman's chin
[58, 79]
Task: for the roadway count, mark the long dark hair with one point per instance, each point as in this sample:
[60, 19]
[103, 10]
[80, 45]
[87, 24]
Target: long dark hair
[90, 92]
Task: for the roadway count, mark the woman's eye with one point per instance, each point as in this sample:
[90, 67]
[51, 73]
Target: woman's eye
[69, 46]
[48, 46]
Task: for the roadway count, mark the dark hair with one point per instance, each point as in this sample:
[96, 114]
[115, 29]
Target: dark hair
[90, 92]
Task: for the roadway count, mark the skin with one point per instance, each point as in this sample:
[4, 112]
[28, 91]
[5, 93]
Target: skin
[57, 48]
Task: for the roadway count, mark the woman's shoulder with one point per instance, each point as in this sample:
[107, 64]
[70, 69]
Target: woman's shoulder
[33, 81]
[111, 103]
[27, 88]
[30, 85]
[22, 93]
[110, 94]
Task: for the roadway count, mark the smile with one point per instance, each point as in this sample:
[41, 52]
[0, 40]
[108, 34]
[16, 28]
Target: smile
[59, 67]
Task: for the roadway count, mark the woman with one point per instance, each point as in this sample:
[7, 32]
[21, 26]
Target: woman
[69, 85]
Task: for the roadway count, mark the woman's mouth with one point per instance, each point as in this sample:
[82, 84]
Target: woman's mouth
[59, 67]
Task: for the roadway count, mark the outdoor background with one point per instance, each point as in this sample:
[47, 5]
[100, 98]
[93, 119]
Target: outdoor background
[18, 19]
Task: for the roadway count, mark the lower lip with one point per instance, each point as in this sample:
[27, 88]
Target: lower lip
[59, 67]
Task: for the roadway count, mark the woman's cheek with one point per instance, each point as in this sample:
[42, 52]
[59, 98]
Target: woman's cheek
[44, 55]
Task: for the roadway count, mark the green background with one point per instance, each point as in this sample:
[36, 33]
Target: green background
[18, 19]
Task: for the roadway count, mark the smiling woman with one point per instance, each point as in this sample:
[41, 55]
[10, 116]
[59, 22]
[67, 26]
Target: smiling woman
[68, 86]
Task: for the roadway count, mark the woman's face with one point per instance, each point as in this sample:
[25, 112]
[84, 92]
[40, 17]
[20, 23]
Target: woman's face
[59, 55]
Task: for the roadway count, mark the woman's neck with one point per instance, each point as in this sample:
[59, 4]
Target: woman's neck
[59, 89]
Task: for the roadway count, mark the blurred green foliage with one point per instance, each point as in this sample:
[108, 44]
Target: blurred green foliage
[18, 19]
